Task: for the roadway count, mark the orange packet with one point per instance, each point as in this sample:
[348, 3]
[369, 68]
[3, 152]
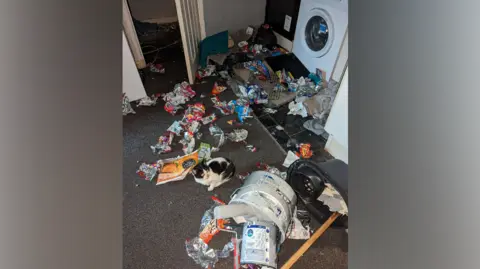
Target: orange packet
[176, 169]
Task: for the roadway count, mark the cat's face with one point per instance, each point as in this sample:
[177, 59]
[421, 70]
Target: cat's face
[199, 170]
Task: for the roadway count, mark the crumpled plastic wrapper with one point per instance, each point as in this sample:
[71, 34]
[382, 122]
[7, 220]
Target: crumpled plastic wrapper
[197, 248]
[269, 110]
[203, 255]
[148, 101]
[157, 68]
[251, 148]
[242, 108]
[188, 143]
[148, 171]
[193, 127]
[163, 144]
[272, 170]
[209, 119]
[126, 107]
[238, 135]
[218, 134]
[193, 113]
[224, 108]
[332, 198]
[296, 230]
[175, 128]
[237, 87]
[204, 151]
[297, 109]
[218, 88]
[305, 151]
[181, 94]
[208, 71]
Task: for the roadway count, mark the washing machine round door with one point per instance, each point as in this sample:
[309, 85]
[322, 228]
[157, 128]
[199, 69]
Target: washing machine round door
[318, 32]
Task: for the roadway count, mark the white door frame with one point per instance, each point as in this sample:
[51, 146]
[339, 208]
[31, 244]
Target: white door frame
[132, 38]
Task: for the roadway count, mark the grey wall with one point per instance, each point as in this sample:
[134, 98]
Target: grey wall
[153, 9]
[232, 15]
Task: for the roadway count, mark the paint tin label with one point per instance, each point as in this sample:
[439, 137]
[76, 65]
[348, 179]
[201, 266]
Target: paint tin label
[256, 244]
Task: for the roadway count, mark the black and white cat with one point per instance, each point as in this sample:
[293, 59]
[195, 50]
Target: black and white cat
[214, 172]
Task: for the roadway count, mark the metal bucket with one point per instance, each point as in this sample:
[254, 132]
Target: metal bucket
[270, 198]
[259, 244]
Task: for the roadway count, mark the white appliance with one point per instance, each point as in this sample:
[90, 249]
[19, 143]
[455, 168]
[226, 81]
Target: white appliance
[321, 28]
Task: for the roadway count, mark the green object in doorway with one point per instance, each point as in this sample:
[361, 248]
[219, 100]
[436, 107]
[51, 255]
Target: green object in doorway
[215, 44]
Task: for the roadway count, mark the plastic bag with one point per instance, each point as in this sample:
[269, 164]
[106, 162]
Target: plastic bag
[197, 248]
[218, 134]
[126, 107]
[238, 135]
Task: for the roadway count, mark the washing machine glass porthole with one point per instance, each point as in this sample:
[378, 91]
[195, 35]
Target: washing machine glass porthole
[316, 33]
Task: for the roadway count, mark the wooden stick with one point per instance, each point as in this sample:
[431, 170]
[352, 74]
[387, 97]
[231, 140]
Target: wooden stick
[310, 241]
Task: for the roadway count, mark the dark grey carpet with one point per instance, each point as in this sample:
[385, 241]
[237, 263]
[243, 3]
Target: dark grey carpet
[158, 219]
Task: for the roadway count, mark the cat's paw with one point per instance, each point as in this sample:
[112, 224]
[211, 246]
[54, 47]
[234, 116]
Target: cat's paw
[210, 188]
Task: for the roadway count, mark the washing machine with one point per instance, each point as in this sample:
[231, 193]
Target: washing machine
[321, 28]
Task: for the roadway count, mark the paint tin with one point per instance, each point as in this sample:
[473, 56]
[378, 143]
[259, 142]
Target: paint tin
[259, 244]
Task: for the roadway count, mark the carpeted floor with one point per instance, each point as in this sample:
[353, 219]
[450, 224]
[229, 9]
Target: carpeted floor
[158, 219]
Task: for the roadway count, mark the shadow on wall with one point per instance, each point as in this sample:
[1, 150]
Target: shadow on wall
[157, 11]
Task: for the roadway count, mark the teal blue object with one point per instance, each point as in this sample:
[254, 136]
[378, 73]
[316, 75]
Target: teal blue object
[315, 78]
[215, 44]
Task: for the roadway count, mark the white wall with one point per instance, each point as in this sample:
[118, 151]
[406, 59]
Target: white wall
[337, 123]
[132, 85]
[232, 15]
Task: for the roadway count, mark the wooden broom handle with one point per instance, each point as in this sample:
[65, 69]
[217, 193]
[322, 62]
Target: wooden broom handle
[310, 241]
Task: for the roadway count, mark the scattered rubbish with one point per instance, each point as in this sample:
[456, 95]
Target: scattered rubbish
[204, 151]
[256, 94]
[148, 101]
[202, 96]
[224, 108]
[269, 110]
[197, 248]
[332, 198]
[126, 107]
[175, 169]
[251, 148]
[172, 109]
[238, 88]
[163, 144]
[259, 69]
[315, 126]
[291, 157]
[238, 135]
[209, 119]
[278, 127]
[231, 122]
[305, 151]
[199, 136]
[157, 68]
[218, 88]
[175, 128]
[193, 113]
[271, 169]
[181, 94]
[297, 109]
[297, 231]
[148, 171]
[188, 143]
[219, 135]
[205, 72]
[243, 110]
[319, 105]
